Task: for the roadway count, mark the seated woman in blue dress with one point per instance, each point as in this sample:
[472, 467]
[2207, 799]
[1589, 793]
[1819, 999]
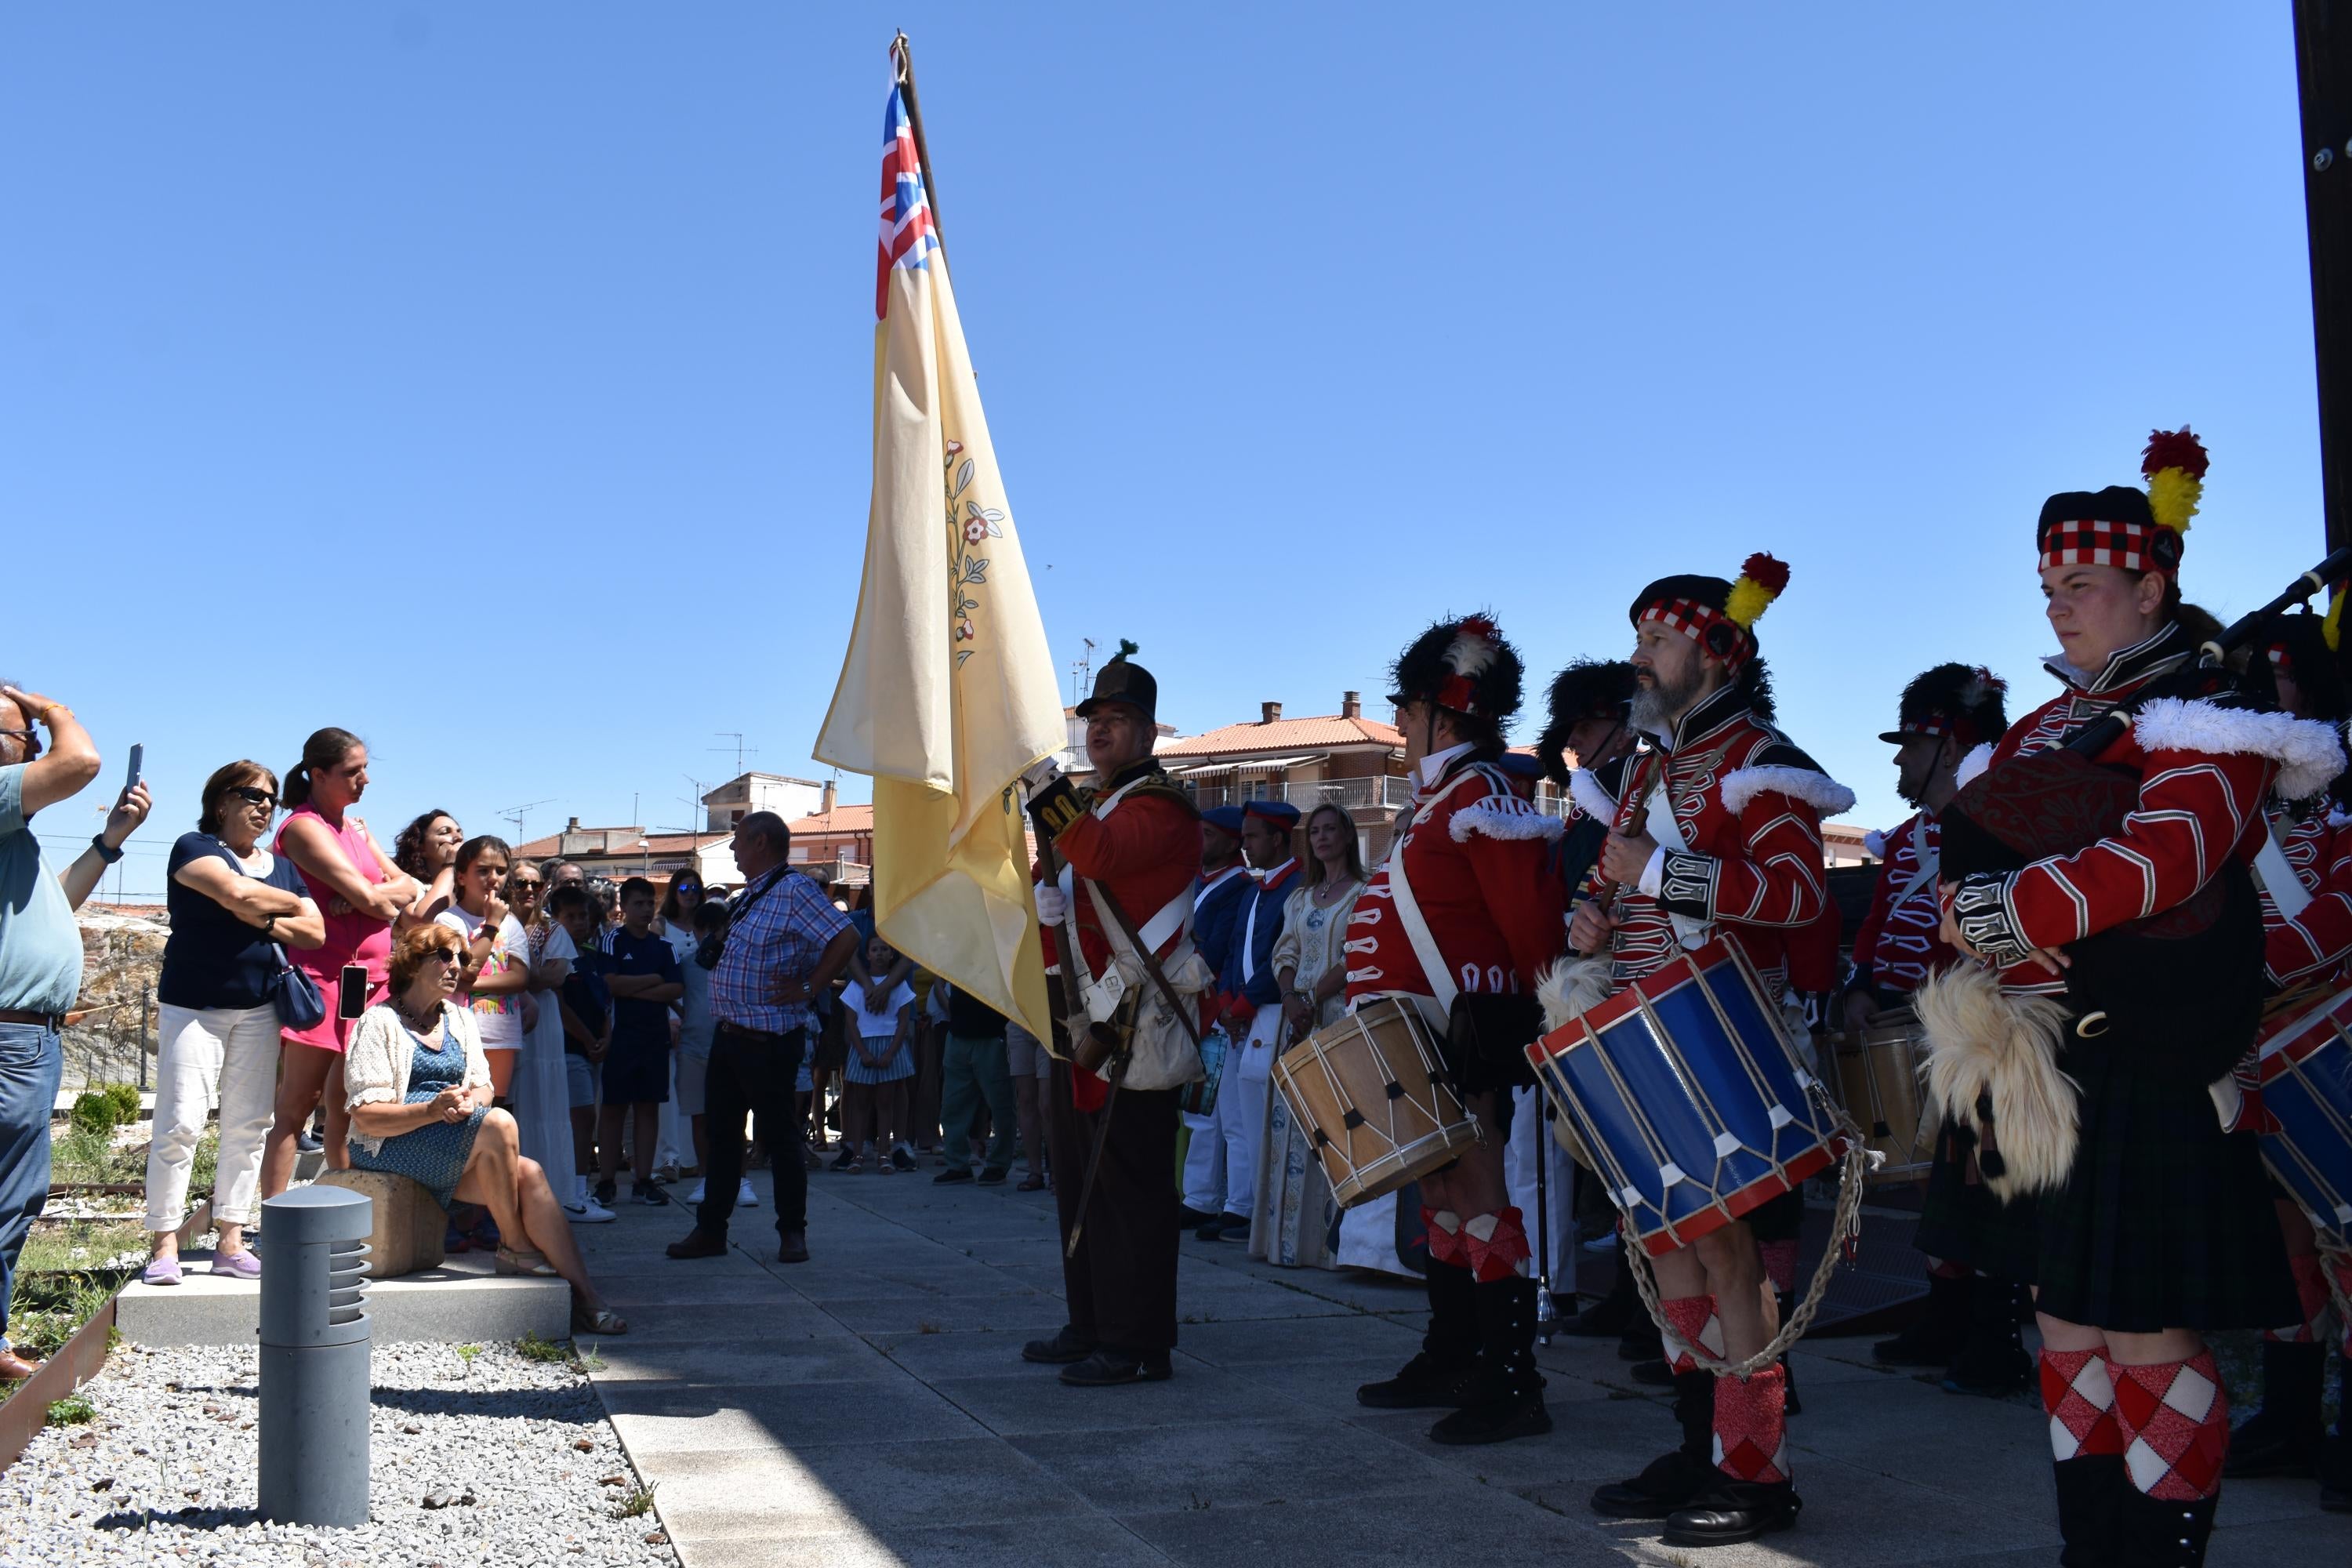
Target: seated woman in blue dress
[419, 1093]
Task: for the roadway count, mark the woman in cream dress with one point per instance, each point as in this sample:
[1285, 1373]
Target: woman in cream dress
[1296, 1222]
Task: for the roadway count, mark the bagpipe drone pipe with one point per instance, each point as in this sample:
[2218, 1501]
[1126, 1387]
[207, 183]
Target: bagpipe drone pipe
[2187, 982]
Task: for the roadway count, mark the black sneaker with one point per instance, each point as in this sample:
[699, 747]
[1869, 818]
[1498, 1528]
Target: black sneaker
[847, 1159]
[1063, 1349]
[650, 1194]
[954, 1174]
[1109, 1368]
[900, 1158]
[993, 1177]
[1188, 1218]
[607, 1191]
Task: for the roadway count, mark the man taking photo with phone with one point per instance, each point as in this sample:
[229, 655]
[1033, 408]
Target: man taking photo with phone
[40, 953]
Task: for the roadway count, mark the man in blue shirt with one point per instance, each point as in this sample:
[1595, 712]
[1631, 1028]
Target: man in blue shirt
[1217, 900]
[1253, 1011]
[40, 955]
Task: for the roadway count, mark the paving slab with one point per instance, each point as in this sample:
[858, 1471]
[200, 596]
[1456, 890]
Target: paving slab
[655, 1418]
[1035, 1401]
[461, 1303]
[731, 1494]
[1234, 1464]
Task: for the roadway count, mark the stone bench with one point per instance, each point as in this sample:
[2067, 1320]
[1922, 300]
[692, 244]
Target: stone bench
[409, 1227]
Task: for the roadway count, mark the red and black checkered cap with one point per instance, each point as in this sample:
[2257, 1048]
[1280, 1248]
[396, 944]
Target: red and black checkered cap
[1693, 605]
[2111, 527]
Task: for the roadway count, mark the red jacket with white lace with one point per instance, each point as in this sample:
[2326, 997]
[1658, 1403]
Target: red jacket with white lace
[2204, 772]
[1750, 806]
[1476, 857]
[1140, 840]
[1898, 943]
[2315, 945]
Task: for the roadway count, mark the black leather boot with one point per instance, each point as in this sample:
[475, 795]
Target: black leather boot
[2152, 1533]
[1934, 1339]
[1506, 1397]
[1670, 1481]
[1728, 1512]
[1992, 1361]
[1613, 1314]
[2090, 1490]
[2282, 1437]
[1439, 1377]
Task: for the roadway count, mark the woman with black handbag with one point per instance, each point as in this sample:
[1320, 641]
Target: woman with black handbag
[226, 991]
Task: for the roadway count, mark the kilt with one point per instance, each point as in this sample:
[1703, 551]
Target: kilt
[2165, 1221]
[1961, 1222]
[1484, 1044]
[1780, 1218]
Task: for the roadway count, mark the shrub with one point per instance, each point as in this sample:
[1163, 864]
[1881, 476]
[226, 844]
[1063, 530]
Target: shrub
[126, 1101]
[93, 1111]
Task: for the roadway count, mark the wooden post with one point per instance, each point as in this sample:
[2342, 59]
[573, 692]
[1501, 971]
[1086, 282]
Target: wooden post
[903, 53]
[2322, 49]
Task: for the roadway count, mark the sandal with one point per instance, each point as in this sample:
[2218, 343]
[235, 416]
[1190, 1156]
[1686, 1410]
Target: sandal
[523, 1261]
[1033, 1185]
[597, 1320]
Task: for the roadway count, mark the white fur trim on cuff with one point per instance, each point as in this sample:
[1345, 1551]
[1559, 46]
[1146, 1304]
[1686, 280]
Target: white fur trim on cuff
[1874, 844]
[1585, 789]
[1973, 765]
[1505, 816]
[1820, 791]
[2307, 749]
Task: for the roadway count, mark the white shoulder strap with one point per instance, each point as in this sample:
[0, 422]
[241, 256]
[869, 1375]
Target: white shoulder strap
[1416, 929]
[2277, 877]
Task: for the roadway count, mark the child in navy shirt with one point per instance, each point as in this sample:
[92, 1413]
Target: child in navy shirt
[640, 969]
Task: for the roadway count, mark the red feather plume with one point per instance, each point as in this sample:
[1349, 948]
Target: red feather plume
[2174, 449]
[1474, 626]
[1766, 573]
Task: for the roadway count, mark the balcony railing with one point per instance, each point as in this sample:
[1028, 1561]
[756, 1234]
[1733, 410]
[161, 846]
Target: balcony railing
[1354, 795]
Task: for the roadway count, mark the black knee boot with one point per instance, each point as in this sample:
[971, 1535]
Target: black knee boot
[2090, 1490]
[2152, 1533]
[2282, 1437]
[1671, 1480]
[1439, 1377]
[1504, 1399]
[1993, 1359]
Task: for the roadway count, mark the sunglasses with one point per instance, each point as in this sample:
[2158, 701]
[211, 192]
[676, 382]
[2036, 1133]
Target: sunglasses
[252, 797]
[520, 886]
[690, 888]
[443, 955]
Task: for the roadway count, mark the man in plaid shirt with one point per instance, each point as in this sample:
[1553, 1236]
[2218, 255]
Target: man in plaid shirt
[785, 944]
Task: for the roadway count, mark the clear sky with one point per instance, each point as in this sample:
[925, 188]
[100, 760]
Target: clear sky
[494, 381]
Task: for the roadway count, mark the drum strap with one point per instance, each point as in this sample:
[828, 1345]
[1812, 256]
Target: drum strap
[2274, 876]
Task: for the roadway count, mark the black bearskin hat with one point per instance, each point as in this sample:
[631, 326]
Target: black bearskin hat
[2297, 646]
[1463, 665]
[1588, 688]
[1963, 700]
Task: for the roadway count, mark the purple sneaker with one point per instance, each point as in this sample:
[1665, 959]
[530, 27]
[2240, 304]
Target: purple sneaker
[161, 1271]
[237, 1265]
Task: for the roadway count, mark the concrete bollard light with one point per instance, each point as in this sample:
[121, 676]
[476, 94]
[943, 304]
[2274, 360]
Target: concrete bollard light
[314, 1390]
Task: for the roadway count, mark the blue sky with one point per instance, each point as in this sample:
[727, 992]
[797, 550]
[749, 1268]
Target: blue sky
[495, 381]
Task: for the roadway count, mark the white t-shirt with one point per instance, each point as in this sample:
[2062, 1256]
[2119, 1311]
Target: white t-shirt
[498, 1019]
[877, 1026]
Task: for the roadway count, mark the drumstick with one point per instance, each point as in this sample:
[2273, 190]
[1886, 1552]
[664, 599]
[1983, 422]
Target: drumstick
[1607, 897]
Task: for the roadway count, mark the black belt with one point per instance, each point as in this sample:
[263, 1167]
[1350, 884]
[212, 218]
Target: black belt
[46, 1020]
[749, 1033]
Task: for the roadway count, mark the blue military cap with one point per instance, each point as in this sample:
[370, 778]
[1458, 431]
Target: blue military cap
[1226, 817]
[1281, 812]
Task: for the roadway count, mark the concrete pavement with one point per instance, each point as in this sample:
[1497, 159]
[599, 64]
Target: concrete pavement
[870, 1407]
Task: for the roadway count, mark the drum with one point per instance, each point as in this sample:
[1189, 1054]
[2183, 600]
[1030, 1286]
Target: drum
[1199, 1098]
[1370, 1090]
[1878, 1077]
[2307, 1073]
[1692, 1102]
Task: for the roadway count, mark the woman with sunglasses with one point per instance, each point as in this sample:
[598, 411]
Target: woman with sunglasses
[542, 1090]
[418, 1091]
[232, 906]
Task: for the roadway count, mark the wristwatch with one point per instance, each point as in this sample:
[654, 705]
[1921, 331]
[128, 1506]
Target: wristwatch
[269, 925]
[98, 842]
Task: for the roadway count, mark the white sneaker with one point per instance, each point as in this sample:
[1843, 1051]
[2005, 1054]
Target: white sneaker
[745, 1198]
[697, 1196]
[587, 1211]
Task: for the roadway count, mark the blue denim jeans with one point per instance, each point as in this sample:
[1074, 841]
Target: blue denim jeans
[32, 1060]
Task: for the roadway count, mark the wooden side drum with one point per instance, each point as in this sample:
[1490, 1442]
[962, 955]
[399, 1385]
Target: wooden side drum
[1372, 1092]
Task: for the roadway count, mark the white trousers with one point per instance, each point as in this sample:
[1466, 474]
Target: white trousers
[208, 1055]
[1240, 1128]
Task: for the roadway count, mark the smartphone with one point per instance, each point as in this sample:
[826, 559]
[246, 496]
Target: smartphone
[350, 992]
[138, 755]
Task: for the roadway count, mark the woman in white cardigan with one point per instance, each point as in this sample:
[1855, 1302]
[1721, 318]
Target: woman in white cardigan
[418, 1088]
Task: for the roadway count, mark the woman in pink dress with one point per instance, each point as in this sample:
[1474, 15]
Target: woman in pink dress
[361, 893]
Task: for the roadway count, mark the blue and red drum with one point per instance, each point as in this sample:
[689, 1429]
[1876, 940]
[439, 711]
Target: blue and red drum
[2306, 1074]
[1688, 1098]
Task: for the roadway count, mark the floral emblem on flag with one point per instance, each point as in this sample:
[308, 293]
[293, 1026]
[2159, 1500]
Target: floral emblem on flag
[969, 528]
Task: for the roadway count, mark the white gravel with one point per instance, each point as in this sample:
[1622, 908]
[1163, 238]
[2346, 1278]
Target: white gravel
[516, 1457]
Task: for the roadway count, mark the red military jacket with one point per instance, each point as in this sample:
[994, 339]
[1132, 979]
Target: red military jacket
[1140, 839]
[1749, 807]
[1898, 943]
[1477, 859]
[2315, 945]
[2204, 772]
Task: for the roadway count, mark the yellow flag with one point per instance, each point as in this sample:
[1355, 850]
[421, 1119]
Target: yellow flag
[948, 691]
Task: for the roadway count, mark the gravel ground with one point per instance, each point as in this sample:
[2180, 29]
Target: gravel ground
[509, 1461]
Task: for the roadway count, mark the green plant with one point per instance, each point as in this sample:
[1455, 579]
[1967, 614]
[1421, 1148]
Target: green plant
[638, 1502]
[531, 1347]
[590, 1359]
[86, 1154]
[203, 1167]
[126, 1101]
[467, 1353]
[73, 1410]
[93, 1111]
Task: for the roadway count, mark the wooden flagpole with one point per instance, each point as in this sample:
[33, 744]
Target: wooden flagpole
[903, 53]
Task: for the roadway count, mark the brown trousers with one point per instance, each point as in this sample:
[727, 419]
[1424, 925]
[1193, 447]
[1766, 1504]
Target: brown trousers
[1122, 1281]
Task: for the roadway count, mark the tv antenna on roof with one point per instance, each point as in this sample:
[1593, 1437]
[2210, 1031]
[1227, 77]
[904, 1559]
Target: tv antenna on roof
[514, 813]
[1082, 673]
[739, 749]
